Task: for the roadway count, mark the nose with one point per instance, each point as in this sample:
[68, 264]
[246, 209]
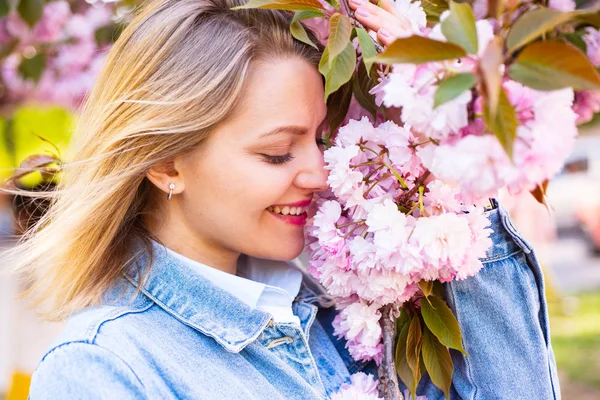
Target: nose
[313, 175]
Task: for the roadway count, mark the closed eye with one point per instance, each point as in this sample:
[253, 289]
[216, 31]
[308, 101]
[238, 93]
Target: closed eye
[278, 159]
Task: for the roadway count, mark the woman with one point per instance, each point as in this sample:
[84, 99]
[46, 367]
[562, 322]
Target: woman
[195, 160]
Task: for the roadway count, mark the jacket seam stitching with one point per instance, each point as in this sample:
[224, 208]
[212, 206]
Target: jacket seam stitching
[501, 257]
[467, 363]
[235, 346]
[54, 349]
[92, 331]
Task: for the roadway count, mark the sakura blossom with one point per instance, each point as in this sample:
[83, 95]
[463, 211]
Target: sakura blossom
[361, 387]
[359, 324]
[66, 43]
[384, 227]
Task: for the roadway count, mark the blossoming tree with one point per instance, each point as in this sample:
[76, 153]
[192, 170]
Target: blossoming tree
[50, 55]
[470, 98]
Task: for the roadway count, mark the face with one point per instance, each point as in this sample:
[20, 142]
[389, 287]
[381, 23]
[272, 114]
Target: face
[262, 163]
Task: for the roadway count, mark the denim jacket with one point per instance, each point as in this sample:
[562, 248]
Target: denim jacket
[184, 338]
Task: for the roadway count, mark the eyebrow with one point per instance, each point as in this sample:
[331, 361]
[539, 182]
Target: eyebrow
[293, 129]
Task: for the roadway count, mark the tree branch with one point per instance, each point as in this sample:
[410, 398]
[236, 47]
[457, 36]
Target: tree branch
[388, 379]
[420, 180]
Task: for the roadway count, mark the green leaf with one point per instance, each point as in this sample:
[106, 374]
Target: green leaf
[402, 367]
[340, 29]
[402, 320]
[292, 5]
[589, 19]
[438, 289]
[306, 14]
[361, 85]
[32, 68]
[576, 40]
[554, 65]
[504, 123]
[452, 87]
[534, 24]
[413, 349]
[108, 34]
[339, 70]
[443, 324]
[30, 124]
[438, 362]
[7, 48]
[334, 3]
[459, 27]
[337, 106]
[4, 7]
[367, 48]
[426, 287]
[418, 50]
[297, 29]
[31, 10]
[299, 33]
[434, 8]
[491, 74]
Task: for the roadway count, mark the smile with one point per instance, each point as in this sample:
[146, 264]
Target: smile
[293, 214]
[286, 210]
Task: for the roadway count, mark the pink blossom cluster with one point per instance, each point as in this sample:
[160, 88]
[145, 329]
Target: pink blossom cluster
[384, 227]
[587, 102]
[361, 387]
[67, 41]
[461, 152]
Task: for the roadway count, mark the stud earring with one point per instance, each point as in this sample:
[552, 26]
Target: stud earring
[171, 187]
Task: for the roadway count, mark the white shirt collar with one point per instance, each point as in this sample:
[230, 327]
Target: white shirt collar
[266, 285]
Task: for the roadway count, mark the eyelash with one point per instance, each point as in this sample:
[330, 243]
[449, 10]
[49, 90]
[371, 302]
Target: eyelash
[278, 159]
[287, 157]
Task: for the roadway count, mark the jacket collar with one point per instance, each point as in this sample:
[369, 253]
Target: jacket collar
[197, 302]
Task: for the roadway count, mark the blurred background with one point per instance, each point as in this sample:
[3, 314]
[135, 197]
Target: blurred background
[50, 54]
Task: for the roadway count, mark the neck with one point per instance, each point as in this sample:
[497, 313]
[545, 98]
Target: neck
[178, 237]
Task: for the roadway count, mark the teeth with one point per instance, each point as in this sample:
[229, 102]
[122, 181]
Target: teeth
[287, 210]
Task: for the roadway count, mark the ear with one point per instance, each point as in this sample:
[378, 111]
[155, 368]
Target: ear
[163, 174]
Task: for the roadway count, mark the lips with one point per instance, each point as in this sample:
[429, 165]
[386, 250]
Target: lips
[291, 213]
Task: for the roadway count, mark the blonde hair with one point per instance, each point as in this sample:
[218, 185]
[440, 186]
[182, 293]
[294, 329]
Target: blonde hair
[175, 73]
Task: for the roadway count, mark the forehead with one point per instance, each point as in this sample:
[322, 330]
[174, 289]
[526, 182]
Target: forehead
[280, 92]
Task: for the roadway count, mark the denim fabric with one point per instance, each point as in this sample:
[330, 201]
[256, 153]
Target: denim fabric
[504, 320]
[184, 338]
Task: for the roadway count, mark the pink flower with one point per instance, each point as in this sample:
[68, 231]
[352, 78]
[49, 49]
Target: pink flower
[325, 219]
[442, 198]
[361, 387]
[389, 227]
[49, 28]
[587, 103]
[592, 41]
[562, 5]
[409, 87]
[352, 133]
[412, 11]
[478, 164]
[343, 179]
[442, 239]
[358, 323]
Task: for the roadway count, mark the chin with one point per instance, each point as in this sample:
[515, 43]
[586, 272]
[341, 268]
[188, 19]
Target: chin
[284, 252]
